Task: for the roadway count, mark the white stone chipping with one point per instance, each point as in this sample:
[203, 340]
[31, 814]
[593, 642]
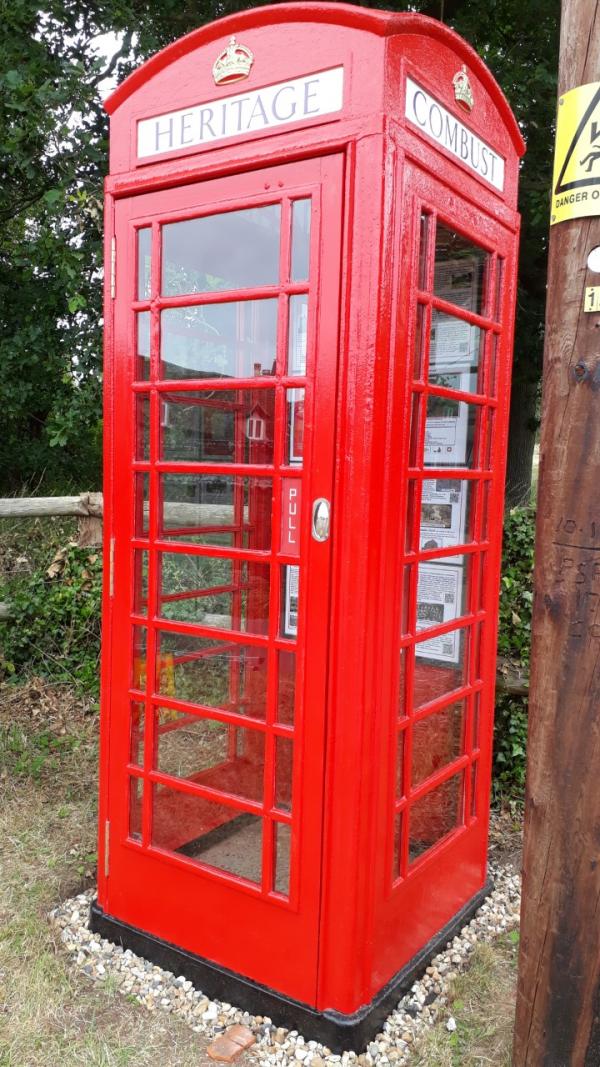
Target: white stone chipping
[424, 1004]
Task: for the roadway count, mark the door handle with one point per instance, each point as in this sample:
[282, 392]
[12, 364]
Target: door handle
[321, 515]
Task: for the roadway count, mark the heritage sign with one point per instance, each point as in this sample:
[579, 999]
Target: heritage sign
[299, 100]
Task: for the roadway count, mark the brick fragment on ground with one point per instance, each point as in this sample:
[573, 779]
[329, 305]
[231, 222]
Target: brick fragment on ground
[228, 1046]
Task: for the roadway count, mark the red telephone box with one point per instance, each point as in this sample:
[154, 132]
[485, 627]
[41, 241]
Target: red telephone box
[311, 251]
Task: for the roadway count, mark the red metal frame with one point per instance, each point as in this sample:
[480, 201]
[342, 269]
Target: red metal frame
[357, 909]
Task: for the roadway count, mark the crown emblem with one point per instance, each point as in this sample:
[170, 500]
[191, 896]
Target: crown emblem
[233, 63]
[462, 88]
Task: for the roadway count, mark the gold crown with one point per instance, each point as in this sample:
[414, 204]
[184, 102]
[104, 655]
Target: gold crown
[462, 88]
[233, 63]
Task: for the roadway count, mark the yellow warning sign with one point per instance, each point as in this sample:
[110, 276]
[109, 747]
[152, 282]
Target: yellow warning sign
[576, 180]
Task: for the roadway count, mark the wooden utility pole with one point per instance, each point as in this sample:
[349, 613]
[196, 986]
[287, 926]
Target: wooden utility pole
[558, 1000]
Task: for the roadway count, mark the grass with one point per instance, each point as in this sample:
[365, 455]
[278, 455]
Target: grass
[50, 1013]
[482, 1004]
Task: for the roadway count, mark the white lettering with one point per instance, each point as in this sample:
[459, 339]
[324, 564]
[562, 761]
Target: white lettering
[302, 98]
[446, 130]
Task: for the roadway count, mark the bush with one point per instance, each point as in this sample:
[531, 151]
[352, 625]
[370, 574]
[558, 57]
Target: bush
[514, 642]
[54, 629]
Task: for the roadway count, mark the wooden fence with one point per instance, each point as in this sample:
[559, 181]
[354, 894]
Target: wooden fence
[88, 508]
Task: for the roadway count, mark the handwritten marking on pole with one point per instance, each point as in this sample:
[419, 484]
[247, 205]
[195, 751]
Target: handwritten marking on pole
[576, 179]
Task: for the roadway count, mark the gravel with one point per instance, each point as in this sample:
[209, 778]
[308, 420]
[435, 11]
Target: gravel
[424, 1004]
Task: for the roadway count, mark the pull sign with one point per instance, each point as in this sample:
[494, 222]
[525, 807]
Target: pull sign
[290, 516]
[320, 519]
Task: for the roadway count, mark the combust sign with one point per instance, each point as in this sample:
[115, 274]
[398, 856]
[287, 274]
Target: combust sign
[294, 101]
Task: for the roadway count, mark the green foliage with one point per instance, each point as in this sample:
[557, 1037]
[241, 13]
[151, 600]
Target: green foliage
[55, 626]
[514, 642]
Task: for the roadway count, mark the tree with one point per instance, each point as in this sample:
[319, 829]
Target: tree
[53, 155]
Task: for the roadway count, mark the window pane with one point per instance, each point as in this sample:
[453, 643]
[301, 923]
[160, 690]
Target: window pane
[424, 226]
[144, 262]
[295, 427]
[455, 353]
[138, 672]
[440, 666]
[136, 751]
[142, 427]
[140, 582]
[400, 764]
[442, 596]
[419, 350]
[142, 504]
[214, 754]
[300, 239]
[437, 740]
[233, 250]
[445, 513]
[450, 433]
[216, 674]
[283, 840]
[136, 786]
[435, 815]
[215, 509]
[218, 426]
[142, 371]
[286, 687]
[297, 334]
[230, 340]
[290, 582]
[208, 833]
[222, 593]
[460, 271]
[284, 760]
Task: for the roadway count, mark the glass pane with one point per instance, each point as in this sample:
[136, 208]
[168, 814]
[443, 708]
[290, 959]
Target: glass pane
[440, 667]
[445, 513]
[476, 719]
[286, 686]
[398, 827]
[497, 312]
[419, 350]
[442, 596]
[142, 427]
[435, 815]
[215, 509]
[474, 787]
[218, 426]
[136, 786]
[208, 833]
[492, 382]
[450, 433]
[297, 334]
[233, 250]
[142, 369]
[290, 581]
[300, 240]
[460, 271]
[455, 354]
[230, 340]
[437, 740]
[140, 582]
[402, 694]
[295, 427]
[142, 504]
[424, 226]
[400, 764]
[415, 444]
[216, 674]
[284, 761]
[138, 672]
[223, 593]
[136, 751]
[214, 754]
[144, 262]
[283, 840]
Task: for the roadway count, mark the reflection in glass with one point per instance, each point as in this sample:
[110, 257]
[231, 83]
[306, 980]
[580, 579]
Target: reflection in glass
[229, 340]
[136, 750]
[233, 250]
[440, 667]
[144, 262]
[215, 509]
[400, 764]
[140, 581]
[455, 353]
[424, 226]
[210, 834]
[286, 686]
[141, 504]
[142, 369]
[435, 815]
[142, 427]
[213, 673]
[445, 513]
[297, 334]
[221, 593]
[294, 427]
[437, 740]
[450, 433]
[138, 672]
[136, 786]
[460, 271]
[300, 240]
[218, 426]
[284, 759]
[419, 349]
[283, 840]
[211, 753]
[442, 593]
